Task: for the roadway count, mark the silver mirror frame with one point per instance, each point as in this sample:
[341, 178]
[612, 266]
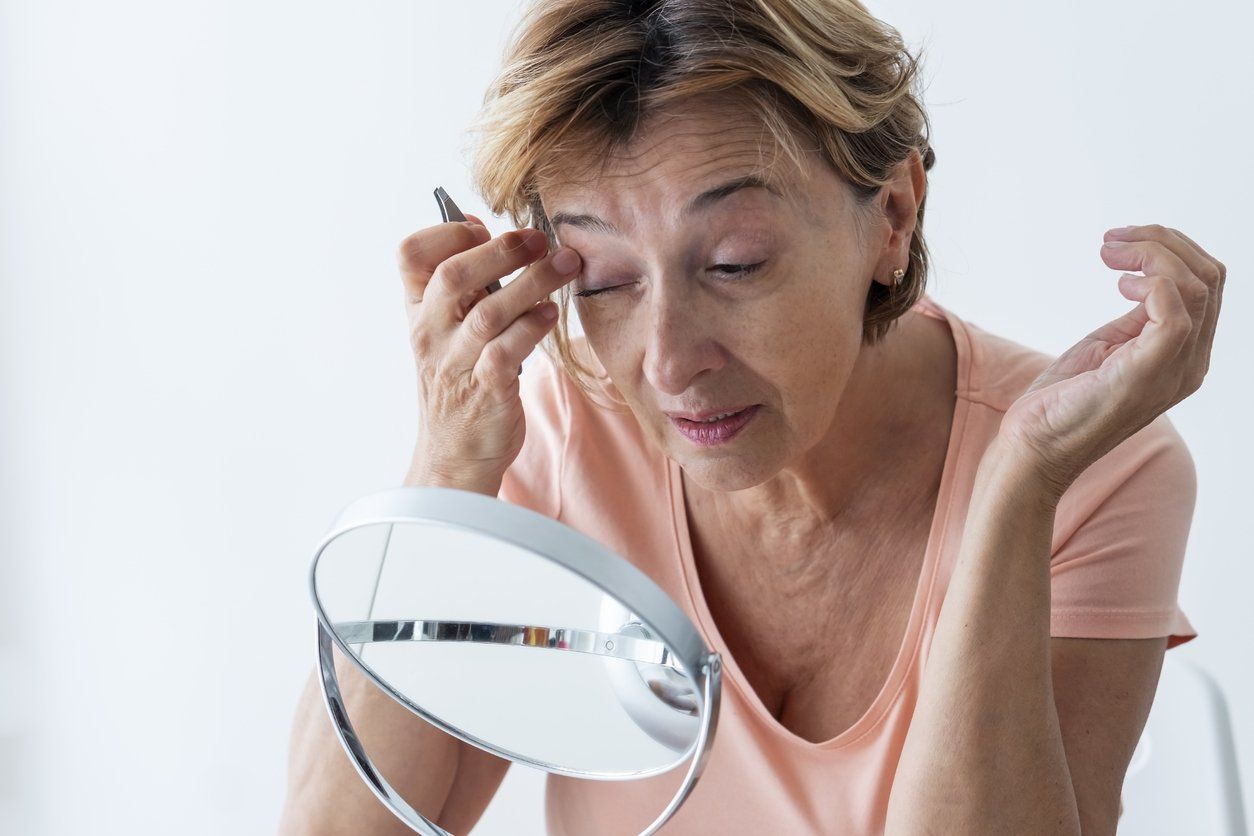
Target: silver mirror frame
[565, 546]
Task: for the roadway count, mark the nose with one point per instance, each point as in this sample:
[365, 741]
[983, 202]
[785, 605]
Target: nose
[680, 346]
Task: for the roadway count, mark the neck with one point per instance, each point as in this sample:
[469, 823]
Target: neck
[864, 458]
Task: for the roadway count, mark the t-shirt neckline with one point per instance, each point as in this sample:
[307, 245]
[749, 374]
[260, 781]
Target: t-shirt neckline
[907, 651]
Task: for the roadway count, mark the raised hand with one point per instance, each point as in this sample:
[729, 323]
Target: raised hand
[468, 345]
[1126, 373]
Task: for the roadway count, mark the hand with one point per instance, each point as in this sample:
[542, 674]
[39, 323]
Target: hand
[469, 345]
[1128, 372]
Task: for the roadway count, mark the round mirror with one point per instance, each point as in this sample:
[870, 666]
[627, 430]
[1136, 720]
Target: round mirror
[514, 633]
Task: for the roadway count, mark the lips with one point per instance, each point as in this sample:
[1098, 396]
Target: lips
[720, 431]
[708, 414]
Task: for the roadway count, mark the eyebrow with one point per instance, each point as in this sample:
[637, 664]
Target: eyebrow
[699, 203]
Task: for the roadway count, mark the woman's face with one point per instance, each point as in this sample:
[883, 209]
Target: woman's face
[756, 296]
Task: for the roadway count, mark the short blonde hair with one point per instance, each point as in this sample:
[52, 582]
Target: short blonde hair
[579, 78]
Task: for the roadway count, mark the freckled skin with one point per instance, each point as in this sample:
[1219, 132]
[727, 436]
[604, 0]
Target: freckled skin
[678, 335]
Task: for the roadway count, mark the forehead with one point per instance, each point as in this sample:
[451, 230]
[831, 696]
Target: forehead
[674, 156]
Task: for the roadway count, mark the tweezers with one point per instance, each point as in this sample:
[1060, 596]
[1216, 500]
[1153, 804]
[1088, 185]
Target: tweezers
[450, 212]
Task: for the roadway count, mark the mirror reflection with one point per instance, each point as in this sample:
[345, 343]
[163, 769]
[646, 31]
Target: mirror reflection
[434, 612]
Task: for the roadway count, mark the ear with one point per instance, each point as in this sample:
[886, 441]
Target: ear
[899, 201]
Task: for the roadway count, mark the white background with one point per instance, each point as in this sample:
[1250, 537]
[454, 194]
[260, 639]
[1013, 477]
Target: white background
[204, 353]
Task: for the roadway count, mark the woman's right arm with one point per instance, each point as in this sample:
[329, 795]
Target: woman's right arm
[468, 347]
[325, 795]
[445, 779]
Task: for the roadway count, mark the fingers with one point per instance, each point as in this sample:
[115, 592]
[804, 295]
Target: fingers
[495, 313]
[1206, 271]
[501, 359]
[447, 269]
[463, 273]
[420, 254]
[1198, 261]
[1167, 328]
[1156, 258]
[1206, 337]
[478, 294]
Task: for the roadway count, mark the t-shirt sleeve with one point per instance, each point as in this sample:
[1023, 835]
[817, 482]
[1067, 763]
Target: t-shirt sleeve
[1120, 536]
[533, 479]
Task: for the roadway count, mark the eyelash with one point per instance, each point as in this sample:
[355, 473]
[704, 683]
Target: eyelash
[740, 270]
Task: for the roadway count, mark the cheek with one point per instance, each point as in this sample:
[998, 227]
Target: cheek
[793, 330]
[807, 352]
[613, 337]
[827, 308]
[605, 326]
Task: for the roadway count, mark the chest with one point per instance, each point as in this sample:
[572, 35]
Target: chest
[815, 626]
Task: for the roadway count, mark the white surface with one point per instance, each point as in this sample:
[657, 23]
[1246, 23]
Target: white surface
[1182, 778]
[204, 358]
[518, 806]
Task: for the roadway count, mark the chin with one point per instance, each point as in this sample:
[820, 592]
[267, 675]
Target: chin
[723, 473]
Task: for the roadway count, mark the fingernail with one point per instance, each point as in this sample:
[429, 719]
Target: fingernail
[1120, 230]
[480, 231]
[565, 260]
[1115, 244]
[549, 311]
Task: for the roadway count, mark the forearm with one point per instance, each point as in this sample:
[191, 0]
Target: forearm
[984, 753]
[325, 795]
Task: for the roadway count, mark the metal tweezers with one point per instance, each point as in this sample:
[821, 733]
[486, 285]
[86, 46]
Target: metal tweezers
[450, 212]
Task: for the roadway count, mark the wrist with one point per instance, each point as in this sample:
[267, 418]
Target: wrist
[430, 475]
[1007, 469]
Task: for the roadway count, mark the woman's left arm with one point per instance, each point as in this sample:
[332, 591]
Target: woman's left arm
[1015, 732]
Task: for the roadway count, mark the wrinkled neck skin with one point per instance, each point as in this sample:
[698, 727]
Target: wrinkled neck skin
[877, 464]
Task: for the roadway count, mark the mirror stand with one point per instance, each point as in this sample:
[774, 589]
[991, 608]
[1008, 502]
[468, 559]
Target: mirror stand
[711, 676]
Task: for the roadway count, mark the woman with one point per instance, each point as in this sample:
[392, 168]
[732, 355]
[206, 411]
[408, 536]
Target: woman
[735, 194]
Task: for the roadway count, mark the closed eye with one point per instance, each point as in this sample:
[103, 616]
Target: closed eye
[737, 269]
[733, 270]
[595, 291]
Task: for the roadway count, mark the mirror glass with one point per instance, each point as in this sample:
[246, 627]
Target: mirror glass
[509, 648]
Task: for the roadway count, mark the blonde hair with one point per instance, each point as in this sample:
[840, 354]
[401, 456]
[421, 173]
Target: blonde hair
[580, 77]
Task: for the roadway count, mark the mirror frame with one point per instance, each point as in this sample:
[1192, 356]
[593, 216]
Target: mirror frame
[575, 551]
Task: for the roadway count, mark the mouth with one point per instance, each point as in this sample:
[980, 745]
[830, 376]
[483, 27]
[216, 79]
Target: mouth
[718, 428]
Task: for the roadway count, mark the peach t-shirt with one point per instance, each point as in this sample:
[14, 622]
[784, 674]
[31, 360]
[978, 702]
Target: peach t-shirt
[1119, 540]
